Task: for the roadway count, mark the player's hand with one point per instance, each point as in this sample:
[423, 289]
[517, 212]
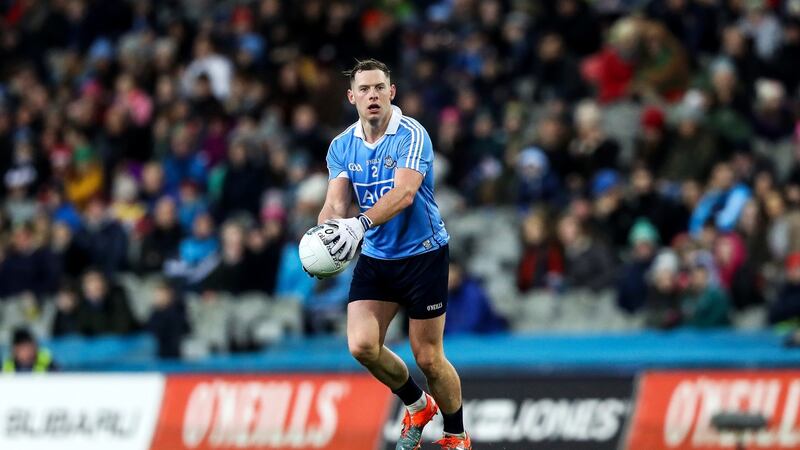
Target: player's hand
[349, 233]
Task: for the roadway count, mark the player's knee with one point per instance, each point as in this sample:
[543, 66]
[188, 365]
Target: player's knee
[431, 363]
[365, 352]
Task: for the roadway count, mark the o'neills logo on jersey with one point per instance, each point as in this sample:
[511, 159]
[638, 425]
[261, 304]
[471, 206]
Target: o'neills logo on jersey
[294, 412]
[675, 410]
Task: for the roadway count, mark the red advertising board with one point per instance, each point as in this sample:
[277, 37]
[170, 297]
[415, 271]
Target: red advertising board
[298, 412]
[674, 409]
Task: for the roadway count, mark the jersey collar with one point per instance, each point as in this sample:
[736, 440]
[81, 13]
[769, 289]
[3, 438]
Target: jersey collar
[394, 124]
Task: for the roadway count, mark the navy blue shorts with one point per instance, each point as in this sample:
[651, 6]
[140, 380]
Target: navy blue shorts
[419, 282]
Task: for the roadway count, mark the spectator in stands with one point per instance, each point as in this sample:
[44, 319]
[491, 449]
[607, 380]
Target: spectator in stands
[292, 282]
[662, 70]
[632, 284]
[190, 204]
[306, 134]
[161, 242]
[125, 208]
[772, 119]
[71, 258]
[786, 306]
[729, 107]
[85, 181]
[722, 203]
[589, 263]
[536, 182]
[152, 187]
[201, 244]
[103, 238]
[760, 24]
[653, 139]
[229, 274]
[542, 262]
[694, 149]
[785, 71]
[183, 163]
[704, 304]
[59, 208]
[557, 72]
[611, 69]
[67, 302]
[469, 309]
[27, 356]
[326, 306]
[264, 246]
[591, 150]
[662, 306]
[21, 179]
[611, 217]
[167, 322]
[644, 200]
[28, 267]
[242, 185]
[104, 308]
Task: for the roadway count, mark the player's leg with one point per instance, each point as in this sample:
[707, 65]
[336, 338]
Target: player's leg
[367, 322]
[426, 336]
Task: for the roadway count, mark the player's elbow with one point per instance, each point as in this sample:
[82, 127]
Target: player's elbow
[407, 197]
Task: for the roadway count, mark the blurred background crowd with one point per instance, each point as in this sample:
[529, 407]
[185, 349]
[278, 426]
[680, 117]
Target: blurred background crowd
[607, 164]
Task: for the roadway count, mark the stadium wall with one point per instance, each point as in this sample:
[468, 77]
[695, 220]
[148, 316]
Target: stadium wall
[656, 410]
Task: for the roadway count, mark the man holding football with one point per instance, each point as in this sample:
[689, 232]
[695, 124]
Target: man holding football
[387, 160]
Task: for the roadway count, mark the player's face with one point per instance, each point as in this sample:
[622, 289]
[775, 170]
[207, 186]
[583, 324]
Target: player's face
[372, 94]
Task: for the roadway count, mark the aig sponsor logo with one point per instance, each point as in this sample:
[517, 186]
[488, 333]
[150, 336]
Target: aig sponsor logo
[369, 193]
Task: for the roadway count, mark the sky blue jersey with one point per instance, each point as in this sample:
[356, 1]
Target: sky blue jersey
[370, 169]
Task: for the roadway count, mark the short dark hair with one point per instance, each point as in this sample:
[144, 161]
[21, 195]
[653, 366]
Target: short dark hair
[367, 64]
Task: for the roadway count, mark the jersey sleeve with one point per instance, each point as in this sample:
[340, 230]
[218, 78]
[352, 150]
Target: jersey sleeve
[416, 150]
[336, 167]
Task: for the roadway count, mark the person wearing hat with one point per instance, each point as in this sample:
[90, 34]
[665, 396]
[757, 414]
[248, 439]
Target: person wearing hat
[26, 356]
[611, 217]
[632, 285]
[693, 147]
[662, 304]
[704, 304]
[653, 138]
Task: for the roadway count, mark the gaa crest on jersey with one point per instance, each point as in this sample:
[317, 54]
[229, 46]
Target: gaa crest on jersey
[389, 163]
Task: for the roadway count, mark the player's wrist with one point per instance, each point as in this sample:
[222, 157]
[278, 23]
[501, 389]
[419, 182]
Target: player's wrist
[365, 221]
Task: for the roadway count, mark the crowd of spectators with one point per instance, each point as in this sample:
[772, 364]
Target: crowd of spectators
[650, 147]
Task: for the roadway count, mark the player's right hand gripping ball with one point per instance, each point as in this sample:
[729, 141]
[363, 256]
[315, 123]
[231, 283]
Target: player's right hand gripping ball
[315, 254]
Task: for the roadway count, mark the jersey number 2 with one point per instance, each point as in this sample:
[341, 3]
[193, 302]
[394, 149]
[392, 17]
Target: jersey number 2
[374, 171]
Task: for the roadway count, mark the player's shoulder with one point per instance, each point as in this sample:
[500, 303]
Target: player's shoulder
[409, 126]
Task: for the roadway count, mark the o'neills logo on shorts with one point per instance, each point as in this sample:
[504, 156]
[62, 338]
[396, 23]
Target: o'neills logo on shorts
[436, 306]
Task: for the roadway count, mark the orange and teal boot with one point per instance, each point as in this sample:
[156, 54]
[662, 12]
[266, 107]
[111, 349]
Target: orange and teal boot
[455, 443]
[413, 424]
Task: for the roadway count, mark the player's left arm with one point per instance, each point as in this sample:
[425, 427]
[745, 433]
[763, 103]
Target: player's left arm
[414, 159]
[400, 197]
